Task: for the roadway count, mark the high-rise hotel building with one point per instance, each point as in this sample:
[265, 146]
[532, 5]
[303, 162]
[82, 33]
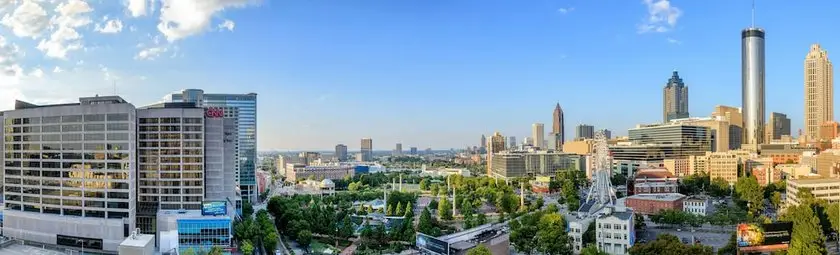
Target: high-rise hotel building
[752, 85]
[819, 90]
[243, 108]
[185, 157]
[70, 173]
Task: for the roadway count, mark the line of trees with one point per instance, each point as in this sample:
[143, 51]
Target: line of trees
[251, 233]
[542, 231]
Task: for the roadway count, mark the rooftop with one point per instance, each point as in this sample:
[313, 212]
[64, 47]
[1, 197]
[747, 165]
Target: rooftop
[814, 180]
[628, 215]
[653, 173]
[141, 240]
[659, 197]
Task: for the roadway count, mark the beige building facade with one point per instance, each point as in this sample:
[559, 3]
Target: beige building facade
[723, 165]
[581, 147]
[827, 189]
[819, 90]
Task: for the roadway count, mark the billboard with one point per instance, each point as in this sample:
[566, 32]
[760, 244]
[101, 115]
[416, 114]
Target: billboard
[764, 237]
[213, 208]
[431, 244]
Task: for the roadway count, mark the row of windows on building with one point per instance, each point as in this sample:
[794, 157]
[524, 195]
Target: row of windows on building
[66, 147]
[17, 166]
[66, 211]
[170, 120]
[67, 119]
[612, 226]
[67, 128]
[67, 184]
[14, 177]
[169, 152]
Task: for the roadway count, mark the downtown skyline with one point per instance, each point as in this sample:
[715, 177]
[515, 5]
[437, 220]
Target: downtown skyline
[502, 71]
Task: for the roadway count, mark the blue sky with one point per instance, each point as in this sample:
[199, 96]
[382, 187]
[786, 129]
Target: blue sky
[430, 73]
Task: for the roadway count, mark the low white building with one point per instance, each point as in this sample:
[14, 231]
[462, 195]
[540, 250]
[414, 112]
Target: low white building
[614, 232]
[576, 230]
[698, 205]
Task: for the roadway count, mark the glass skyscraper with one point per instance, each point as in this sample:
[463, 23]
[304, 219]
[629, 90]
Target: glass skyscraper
[243, 107]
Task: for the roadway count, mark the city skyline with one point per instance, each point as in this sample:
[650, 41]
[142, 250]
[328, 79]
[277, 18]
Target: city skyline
[642, 42]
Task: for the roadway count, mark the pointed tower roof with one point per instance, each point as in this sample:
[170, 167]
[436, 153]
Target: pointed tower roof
[675, 80]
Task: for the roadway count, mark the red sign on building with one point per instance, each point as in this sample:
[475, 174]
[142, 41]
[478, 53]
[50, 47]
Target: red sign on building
[214, 113]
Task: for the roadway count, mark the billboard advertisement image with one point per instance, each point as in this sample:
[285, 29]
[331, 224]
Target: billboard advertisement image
[213, 208]
[764, 237]
[431, 244]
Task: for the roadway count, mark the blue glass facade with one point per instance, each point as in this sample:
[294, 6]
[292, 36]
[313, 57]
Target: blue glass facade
[246, 105]
[203, 234]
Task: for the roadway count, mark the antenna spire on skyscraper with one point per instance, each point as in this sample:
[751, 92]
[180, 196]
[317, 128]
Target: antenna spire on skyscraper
[752, 20]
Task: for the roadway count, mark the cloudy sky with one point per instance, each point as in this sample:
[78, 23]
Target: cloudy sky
[426, 73]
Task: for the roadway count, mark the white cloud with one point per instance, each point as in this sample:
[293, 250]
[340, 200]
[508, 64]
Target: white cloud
[111, 27]
[183, 18]
[71, 15]
[62, 41]
[565, 10]
[674, 41]
[136, 8]
[228, 24]
[37, 73]
[58, 70]
[28, 20]
[662, 16]
[9, 55]
[150, 53]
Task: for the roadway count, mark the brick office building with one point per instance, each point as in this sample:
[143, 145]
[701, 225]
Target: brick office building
[653, 203]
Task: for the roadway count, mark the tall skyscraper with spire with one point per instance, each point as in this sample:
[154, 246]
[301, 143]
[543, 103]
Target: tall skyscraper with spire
[819, 90]
[558, 129]
[674, 99]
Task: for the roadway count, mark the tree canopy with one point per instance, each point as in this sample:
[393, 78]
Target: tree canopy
[669, 244]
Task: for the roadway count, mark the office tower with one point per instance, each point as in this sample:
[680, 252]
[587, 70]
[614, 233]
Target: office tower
[674, 99]
[220, 142]
[70, 173]
[496, 145]
[242, 107]
[819, 90]
[511, 141]
[341, 152]
[367, 150]
[736, 124]
[483, 144]
[752, 85]
[779, 125]
[398, 150]
[170, 148]
[529, 141]
[584, 131]
[683, 139]
[558, 128]
[413, 150]
[309, 157]
[538, 133]
[607, 133]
